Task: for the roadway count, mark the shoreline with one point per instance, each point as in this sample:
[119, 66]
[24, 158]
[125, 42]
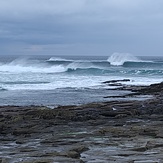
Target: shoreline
[114, 131]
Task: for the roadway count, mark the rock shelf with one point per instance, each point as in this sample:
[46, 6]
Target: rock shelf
[115, 131]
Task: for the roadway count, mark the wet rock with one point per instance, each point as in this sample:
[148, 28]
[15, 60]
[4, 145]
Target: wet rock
[24, 150]
[20, 141]
[115, 131]
[4, 160]
[140, 149]
[154, 144]
[149, 132]
[40, 161]
[119, 116]
[19, 132]
[1, 116]
[73, 154]
[80, 149]
[146, 161]
[153, 88]
[42, 113]
[116, 113]
[49, 154]
[115, 81]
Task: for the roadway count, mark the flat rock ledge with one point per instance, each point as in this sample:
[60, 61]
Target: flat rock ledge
[115, 131]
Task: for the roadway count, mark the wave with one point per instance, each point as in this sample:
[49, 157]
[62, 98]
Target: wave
[81, 65]
[25, 66]
[121, 60]
[2, 89]
[31, 69]
[58, 59]
[118, 59]
[144, 64]
[116, 72]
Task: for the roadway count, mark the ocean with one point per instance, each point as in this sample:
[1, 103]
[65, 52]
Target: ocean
[68, 80]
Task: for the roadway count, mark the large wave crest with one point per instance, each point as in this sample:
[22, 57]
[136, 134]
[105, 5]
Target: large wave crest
[24, 66]
[118, 59]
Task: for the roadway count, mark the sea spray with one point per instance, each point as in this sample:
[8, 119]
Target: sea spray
[57, 72]
[30, 66]
[66, 80]
[118, 59]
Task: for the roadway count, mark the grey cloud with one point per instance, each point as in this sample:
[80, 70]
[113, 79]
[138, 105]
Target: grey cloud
[72, 26]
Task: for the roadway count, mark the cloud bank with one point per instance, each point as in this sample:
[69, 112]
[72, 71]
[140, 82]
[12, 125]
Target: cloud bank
[81, 27]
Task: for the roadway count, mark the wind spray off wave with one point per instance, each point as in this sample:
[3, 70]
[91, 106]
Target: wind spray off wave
[26, 66]
[118, 59]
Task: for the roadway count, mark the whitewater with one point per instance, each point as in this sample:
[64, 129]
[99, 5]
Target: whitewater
[51, 80]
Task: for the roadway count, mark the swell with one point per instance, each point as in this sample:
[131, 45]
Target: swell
[143, 64]
[79, 66]
[97, 71]
[106, 64]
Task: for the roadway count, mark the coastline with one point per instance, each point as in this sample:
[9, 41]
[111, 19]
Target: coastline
[114, 131]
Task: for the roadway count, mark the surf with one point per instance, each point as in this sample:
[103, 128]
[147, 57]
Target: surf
[118, 59]
[27, 66]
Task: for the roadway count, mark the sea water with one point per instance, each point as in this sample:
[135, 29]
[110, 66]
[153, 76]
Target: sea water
[66, 80]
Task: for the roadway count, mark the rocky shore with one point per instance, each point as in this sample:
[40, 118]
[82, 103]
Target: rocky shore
[121, 131]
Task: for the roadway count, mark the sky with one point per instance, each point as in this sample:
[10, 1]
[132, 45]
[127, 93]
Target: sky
[81, 27]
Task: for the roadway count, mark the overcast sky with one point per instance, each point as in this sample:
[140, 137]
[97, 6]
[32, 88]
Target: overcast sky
[81, 27]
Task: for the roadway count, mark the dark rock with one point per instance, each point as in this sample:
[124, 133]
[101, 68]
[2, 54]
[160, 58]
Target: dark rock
[63, 133]
[152, 144]
[1, 116]
[20, 141]
[80, 149]
[115, 81]
[19, 132]
[148, 132]
[27, 149]
[152, 89]
[140, 149]
[73, 154]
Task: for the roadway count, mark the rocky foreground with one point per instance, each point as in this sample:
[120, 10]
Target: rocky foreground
[121, 131]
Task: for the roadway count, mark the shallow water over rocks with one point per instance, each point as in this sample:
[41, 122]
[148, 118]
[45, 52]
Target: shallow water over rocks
[113, 131]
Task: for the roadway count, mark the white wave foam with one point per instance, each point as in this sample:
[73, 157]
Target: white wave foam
[21, 68]
[118, 59]
[25, 65]
[57, 82]
[55, 59]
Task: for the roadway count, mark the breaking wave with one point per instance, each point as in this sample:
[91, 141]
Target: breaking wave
[118, 59]
[47, 74]
[56, 59]
[60, 65]
[24, 66]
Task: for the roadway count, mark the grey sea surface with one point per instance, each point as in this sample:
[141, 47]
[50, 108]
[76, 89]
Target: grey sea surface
[72, 80]
[57, 97]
